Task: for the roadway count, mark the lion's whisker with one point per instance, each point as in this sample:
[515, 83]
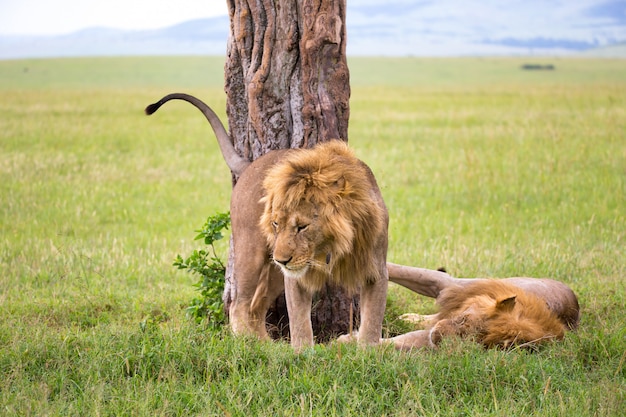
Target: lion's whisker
[320, 266]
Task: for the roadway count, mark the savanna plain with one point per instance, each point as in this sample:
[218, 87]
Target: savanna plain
[487, 170]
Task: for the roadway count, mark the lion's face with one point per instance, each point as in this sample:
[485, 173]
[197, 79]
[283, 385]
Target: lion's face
[323, 218]
[299, 243]
[499, 314]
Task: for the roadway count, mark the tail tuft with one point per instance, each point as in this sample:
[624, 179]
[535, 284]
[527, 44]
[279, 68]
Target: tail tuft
[153, 108]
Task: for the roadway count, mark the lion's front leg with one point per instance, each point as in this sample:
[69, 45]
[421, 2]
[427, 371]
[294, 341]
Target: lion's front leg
[412, 340]
[299, 308]
[373, 303]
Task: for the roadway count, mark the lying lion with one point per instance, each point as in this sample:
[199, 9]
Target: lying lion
[302, 218]
[496, 313]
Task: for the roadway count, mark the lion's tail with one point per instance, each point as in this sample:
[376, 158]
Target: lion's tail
[236, 163]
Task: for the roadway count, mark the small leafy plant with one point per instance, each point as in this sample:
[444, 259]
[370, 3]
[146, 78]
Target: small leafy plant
[209, 267]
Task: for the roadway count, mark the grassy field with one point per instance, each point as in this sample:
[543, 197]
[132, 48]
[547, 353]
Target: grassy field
[486, 169]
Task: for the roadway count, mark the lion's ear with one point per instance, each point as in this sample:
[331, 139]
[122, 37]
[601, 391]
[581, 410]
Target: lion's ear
[339, 185]
[506, 304]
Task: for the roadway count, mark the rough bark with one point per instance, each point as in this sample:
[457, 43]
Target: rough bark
[287, 86]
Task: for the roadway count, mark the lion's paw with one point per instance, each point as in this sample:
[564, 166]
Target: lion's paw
[348, 338]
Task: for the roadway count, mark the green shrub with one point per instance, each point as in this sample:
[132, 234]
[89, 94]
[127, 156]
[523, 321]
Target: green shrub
[209, 305]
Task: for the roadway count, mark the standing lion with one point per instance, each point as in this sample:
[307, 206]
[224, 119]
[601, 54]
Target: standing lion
[302, 218]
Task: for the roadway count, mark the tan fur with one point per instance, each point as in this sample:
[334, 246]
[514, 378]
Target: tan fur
[493, 312]
[319, 219]
[559, 298]
[317, 216]
[329, 188]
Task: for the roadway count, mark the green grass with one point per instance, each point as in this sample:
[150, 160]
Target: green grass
[486, 169]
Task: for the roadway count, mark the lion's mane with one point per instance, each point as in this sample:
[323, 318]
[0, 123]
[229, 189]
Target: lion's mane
[497, 314]
[340, 187]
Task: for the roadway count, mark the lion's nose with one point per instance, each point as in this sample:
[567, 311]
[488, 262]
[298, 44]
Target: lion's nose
[283, 262]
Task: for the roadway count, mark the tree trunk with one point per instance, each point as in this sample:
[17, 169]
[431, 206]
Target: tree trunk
[287, 86]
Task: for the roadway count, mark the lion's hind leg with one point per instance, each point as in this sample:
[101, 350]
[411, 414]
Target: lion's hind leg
[247, 313]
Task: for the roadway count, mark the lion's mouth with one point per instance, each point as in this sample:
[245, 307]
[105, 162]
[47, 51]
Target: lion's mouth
[293, 273]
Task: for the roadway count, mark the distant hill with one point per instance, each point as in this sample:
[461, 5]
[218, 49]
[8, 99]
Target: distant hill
[196, 37]
[395, 27]
[610, 51]
[486, 27]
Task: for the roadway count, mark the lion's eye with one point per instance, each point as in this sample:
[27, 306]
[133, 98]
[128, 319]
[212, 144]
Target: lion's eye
[275, 225]
[302, 227]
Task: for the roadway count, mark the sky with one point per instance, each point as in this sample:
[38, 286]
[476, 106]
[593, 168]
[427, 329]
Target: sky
[548, 18]
[56, 17]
